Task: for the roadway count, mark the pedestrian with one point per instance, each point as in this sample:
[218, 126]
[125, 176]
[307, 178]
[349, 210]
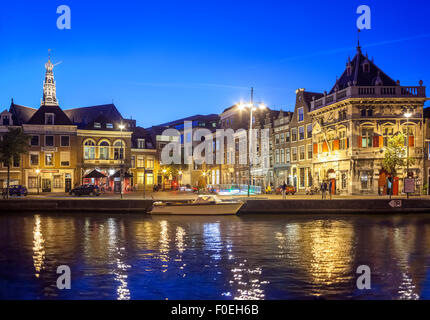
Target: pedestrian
[330, 188]
[323, 189]
[284, 189]
[389, 186]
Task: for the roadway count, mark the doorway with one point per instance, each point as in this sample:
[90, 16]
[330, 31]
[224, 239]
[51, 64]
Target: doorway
[46, 185]
[68, 184]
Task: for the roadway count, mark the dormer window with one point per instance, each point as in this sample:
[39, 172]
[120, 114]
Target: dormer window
[366, 67]
[49, 119]
[97, 125]
[141, 143]
[109, 126]
[6, 120]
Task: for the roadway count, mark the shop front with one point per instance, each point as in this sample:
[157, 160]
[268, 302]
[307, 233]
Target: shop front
[55, 181]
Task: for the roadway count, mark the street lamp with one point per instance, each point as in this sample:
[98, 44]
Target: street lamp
[121, 127]
[180, 177]
[252, 107]
[164, 177]
[38, 172]
[408, 114]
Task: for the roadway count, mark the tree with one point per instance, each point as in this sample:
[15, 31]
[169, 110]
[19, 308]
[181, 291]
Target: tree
[13, 144]
[395, 154]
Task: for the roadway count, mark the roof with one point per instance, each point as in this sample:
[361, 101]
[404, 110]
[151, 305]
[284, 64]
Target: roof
[59, 119]
[141, 133]
[21, 114]
[85, 117]
[359, 77]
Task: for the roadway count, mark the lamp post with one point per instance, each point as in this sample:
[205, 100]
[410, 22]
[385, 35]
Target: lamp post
[408, 114]
[121, 127]
[180, 177]
[251, 108]
[164, 176]
[38, 178]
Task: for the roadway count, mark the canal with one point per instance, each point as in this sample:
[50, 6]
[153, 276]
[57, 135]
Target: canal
[247, 257]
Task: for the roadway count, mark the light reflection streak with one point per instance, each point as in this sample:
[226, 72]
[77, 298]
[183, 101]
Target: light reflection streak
[38, 246]
[164, 244]
[249, 286]
[212, 238]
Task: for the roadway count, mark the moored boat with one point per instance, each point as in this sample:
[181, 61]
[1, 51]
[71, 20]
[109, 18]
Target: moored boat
[203, 205]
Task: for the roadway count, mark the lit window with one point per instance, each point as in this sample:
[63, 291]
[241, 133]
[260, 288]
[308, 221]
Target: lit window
[97, 125]
[300, 115]
[49, 159]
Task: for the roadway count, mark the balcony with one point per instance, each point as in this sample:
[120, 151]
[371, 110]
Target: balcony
[369, 92]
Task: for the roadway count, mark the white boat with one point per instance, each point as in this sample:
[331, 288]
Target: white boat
[203, 205]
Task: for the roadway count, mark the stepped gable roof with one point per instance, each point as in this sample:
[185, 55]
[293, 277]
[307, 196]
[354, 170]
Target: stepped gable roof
[356, 74]
[20, 114]
[59, 119]
[85, 117]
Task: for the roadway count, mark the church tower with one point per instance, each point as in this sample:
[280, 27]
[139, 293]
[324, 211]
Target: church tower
[49, 89]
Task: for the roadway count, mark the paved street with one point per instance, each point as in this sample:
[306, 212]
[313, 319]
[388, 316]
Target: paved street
[175, 195]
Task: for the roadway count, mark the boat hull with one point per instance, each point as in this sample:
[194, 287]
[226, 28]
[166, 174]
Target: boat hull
[197, 209]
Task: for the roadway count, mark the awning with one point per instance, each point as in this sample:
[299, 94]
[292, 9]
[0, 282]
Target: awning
[118, 173]
[95, 174]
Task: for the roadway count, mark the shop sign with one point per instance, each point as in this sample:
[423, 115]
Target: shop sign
[409, 185]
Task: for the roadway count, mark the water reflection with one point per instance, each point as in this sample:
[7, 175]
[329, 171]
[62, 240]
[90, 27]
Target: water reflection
[254, 257]
[38, 246]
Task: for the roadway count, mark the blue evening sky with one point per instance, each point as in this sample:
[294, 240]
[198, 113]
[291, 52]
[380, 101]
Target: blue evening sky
[163, 60]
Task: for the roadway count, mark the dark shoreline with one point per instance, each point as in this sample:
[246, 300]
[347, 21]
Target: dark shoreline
[337, 206]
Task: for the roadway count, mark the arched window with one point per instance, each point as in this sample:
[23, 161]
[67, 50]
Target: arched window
[89, 150]
[104, 150]
[119, 150]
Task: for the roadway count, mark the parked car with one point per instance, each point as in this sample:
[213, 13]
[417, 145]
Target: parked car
[18, 191]
[85, 190]
[290, 190]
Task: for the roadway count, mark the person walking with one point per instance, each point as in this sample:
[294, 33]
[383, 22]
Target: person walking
[284, 189]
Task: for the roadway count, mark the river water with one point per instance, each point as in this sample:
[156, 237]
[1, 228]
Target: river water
[247, 257]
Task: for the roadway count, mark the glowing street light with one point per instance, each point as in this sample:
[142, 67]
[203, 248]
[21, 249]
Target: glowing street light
[251, 108]
[38, 178]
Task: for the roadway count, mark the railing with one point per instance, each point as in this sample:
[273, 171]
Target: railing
[369, 92]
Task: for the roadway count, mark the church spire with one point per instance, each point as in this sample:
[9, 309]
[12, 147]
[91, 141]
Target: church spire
[49, 89]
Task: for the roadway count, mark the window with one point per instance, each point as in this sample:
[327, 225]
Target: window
[294, 135]
[32, 182]
[89, 150]
[309, 151]
[294, 153]
[141, 143]
[109, 126]
[364, 178]
[6, 120]
[277, 156]
[65, 158]
[277, 139]
[119, 150]
[363, 113]
[282, 138]
[16, 162]
[287, 136]
[140, 178]
[140, 161]
[342, 140]
[97, 125]
[302, 153]
[301, 133]
[302, 177]
[49, 141]
[150, 163]
[370, 113]
[34, 159]
[287, 155]
[310, 181]
[58, 182]
[149, 179]
[104, 150]
[34, 141]
[133, 162]
[344, 179]
[367, 137]
[409, 135]
[49, 159]
[300, 115]
[309, 131]
[387, 133]
[282, 156]
[65, 141]
[49, 118]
